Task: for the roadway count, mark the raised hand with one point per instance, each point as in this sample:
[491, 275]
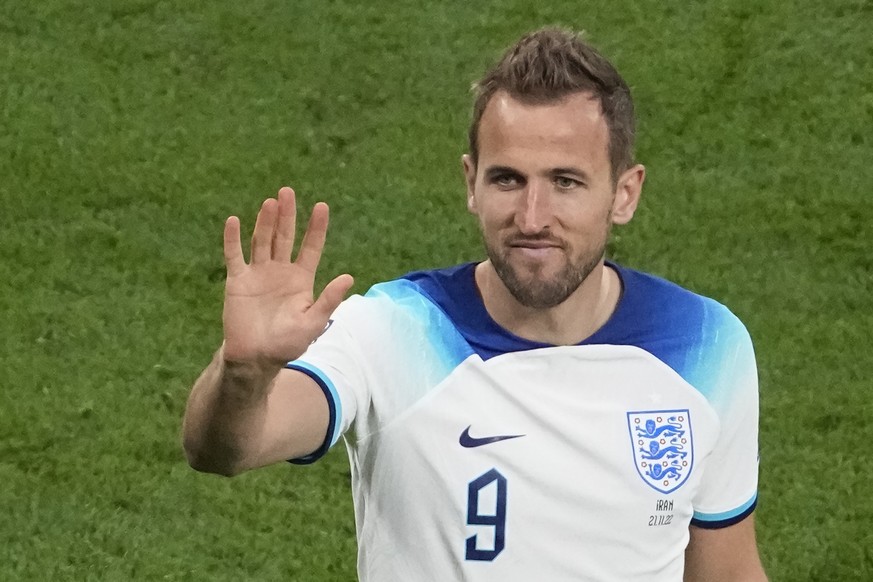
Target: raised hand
[270, 313]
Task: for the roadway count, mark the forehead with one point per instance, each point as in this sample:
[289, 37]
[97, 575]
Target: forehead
[570, 131]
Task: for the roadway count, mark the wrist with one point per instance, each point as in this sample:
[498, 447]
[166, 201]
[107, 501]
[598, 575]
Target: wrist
[247, 369]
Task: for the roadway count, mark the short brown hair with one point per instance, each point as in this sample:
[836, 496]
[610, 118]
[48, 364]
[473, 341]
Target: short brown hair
[549, 64]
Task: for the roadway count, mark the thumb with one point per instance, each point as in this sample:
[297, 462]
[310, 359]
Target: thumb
[331, 296]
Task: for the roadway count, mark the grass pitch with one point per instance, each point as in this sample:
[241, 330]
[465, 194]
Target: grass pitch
[130, 129]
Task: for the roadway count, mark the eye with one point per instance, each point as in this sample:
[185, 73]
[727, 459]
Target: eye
[506, 181]
[566, 183]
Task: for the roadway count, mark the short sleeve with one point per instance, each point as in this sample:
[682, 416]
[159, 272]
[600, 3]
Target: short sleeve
[335, 361]
[728, 490]
[379, 355]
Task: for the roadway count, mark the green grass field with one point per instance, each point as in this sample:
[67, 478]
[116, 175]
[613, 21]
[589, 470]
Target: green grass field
[130, 129]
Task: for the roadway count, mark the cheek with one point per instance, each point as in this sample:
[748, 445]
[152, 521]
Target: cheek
[586, 212]
[490, 228]
[586, 230]
[494, 213]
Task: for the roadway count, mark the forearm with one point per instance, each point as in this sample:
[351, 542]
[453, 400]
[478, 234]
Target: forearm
[225, 415]
[729, 554]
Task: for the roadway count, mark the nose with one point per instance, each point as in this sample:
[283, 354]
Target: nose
[535, 209]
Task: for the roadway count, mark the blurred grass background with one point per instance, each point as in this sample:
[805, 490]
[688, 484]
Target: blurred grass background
[130, 129]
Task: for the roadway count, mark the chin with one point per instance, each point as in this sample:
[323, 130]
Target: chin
[531, 288]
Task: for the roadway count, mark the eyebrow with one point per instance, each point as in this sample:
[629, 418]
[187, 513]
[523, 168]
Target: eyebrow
[493, 171]
[573, 171]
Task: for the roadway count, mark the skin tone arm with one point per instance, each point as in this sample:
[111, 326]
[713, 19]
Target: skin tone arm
[246, 410]
[724, 555]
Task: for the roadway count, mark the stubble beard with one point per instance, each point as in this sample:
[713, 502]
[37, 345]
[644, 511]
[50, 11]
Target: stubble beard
[537, 292]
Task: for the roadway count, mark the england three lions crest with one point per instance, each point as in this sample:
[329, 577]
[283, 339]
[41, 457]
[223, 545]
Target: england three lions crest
[663, 447]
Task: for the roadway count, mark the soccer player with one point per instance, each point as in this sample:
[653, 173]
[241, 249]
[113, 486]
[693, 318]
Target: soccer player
[544, 414]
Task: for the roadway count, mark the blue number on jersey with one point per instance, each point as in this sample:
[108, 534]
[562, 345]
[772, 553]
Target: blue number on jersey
[497, 519]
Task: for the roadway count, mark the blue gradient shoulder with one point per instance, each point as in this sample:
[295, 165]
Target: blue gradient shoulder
[414, 311]
[698, 337]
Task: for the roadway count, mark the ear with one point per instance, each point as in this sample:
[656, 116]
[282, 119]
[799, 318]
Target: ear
[627, 194]
[470, 179]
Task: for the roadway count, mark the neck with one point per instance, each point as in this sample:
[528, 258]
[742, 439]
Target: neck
[575, 319]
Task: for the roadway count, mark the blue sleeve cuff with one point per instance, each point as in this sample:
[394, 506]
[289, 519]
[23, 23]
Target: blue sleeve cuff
[334, 406]
[725, 518]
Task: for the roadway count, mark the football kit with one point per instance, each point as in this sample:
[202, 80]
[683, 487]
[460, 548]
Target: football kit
[479, 455]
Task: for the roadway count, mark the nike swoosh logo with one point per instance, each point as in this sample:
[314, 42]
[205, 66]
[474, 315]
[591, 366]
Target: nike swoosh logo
[472, 442]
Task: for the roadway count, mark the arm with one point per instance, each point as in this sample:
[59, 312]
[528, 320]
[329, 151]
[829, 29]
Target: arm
[728, 554]
[240, 418]
[245, 409]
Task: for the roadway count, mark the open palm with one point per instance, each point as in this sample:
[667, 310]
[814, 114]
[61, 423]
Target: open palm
[270, 312]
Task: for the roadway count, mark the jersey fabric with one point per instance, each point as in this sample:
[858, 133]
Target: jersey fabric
[478, 455]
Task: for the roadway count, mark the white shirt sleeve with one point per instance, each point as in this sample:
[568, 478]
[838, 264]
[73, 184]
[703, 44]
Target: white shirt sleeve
[337, 364]
[728, 491]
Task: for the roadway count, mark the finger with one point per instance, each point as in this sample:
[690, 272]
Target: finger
[233, 254]
[262, 238]
[283, 238]
[332, 296]
[313, 241]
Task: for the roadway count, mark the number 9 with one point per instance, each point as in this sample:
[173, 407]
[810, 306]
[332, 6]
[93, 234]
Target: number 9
[497, 519]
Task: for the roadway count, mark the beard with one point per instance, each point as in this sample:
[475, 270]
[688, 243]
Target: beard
[537, 291]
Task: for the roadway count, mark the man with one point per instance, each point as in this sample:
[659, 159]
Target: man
[543, 414]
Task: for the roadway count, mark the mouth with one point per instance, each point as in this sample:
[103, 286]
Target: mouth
[537, 249]
[534, 243]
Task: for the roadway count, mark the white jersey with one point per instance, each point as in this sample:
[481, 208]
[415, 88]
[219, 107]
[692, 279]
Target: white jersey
[478, 455]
